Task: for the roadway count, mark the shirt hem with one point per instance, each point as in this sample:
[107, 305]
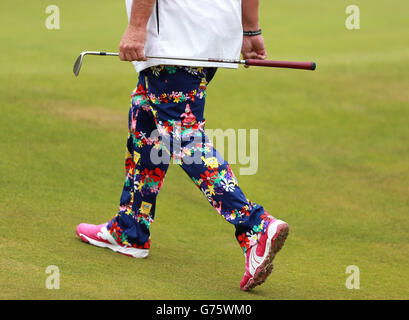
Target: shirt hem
[139, 66]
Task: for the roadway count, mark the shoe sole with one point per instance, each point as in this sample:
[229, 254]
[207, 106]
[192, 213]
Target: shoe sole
[130, 252]
[265, 269]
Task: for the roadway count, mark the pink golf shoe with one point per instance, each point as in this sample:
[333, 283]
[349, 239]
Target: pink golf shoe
[259, 258]
[100, 237]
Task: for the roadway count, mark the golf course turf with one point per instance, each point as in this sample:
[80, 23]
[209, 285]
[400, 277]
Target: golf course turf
[333, 158]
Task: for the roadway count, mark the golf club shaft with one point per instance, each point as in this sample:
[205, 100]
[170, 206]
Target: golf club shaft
[248, 62]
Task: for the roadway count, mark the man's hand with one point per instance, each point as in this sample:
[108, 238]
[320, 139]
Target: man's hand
[132, 44]
[253, 48]
[134, 38]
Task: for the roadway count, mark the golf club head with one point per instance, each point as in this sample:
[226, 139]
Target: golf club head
[78, 64]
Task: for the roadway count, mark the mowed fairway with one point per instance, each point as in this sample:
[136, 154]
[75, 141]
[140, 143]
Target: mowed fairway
[333, 158]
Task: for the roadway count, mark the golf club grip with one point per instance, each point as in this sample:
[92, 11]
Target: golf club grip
[281, 64]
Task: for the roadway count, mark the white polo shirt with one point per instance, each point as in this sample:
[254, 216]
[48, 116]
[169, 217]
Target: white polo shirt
[193, 29]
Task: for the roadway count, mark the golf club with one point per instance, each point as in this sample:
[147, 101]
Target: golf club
[247, 62]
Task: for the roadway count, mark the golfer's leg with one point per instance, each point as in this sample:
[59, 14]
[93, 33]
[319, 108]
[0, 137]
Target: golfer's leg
[143, 178]
[216, 180]
[153, 107]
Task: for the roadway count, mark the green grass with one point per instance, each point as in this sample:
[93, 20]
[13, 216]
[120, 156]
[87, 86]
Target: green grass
[333, 158]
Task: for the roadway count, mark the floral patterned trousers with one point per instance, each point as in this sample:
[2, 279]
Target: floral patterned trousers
[166, 124]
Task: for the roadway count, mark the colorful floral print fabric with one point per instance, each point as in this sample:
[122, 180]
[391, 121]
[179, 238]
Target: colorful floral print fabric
[166, 124]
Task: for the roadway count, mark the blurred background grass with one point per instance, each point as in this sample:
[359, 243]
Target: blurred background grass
[333, 158]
